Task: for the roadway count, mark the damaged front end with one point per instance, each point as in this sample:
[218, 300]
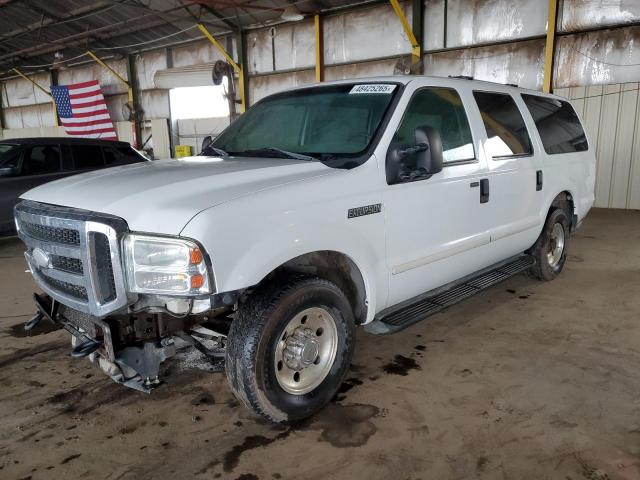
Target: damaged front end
[130, 349]
[130, 301]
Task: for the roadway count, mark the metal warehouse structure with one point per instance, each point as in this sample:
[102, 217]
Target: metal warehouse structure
[140, 49]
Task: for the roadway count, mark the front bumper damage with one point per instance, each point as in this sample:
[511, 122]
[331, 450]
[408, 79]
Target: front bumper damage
[136, 365]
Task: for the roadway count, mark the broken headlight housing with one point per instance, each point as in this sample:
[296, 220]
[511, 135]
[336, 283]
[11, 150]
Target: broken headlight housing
[165, 265]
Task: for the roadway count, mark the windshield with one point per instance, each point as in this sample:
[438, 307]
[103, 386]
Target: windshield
[320, 122]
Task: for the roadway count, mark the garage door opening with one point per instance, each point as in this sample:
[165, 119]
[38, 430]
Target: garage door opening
[197, 112]
[199, 102]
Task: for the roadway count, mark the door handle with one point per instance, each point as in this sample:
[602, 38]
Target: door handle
[484, 190]
[539, 180]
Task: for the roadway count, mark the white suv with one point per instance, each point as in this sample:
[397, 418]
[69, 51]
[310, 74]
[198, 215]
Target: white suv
[374, 202]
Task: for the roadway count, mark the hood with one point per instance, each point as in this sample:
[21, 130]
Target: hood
[163, 195]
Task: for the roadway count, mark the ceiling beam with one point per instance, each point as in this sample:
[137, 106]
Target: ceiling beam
[113, 30]
[94, 7]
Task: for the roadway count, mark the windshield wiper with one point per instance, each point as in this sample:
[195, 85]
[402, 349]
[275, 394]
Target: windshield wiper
[215, 150]
[278, 153]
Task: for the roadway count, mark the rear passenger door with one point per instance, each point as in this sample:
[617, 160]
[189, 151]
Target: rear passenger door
[514, 181]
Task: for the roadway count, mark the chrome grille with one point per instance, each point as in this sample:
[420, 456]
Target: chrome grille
[74, 256]
[52, 234]
[68, 264]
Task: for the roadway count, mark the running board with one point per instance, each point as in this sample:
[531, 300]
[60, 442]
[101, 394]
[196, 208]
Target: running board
[419, 308]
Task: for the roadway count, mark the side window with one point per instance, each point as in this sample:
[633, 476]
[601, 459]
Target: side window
[111, 157]
[41, 159]
[507, 134]
[557, 123]
[87, 156]
[442, 110]
[120, 156]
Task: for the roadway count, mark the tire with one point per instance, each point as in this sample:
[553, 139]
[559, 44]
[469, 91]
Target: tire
[260, 366]
[550, 261]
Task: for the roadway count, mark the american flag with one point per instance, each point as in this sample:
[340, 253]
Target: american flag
[83, 111]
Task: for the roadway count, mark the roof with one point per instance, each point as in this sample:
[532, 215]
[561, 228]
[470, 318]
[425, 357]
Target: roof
[62, 140]
[406, 79]
[32, 32]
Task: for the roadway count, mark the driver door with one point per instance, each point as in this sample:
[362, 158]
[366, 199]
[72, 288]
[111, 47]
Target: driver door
[436, 226]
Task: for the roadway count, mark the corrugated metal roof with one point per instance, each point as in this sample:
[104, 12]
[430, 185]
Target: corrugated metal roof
[33, 31]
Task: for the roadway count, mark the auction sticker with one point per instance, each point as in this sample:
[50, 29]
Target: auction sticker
[383, 88]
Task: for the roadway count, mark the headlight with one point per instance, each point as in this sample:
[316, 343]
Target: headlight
[160, 265]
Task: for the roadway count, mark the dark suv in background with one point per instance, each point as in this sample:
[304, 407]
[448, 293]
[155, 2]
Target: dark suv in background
[26, 163]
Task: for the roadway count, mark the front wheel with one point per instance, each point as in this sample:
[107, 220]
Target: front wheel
[550, 250]
[289, 348]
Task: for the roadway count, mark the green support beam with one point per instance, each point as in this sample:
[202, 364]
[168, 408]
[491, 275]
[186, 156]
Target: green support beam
[244, 68]
[132, 75]
[417, 21]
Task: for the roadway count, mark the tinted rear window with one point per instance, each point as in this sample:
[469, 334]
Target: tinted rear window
[87, 156]
[506, 132]
[557, 123]
[121, 156]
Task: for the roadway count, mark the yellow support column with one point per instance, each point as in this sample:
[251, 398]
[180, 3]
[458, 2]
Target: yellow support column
[232, 62]
[415, 45]
[55, 109]
[549, 52]
[319, 48]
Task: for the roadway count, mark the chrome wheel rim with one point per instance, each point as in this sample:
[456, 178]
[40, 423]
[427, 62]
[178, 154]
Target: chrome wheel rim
[306, 351]
[556, 245]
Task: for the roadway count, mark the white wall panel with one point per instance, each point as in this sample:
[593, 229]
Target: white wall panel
[611, 116]
[606, 147]
[155, 104]
[93, 71]
[147, 64]
[115, 105]
[623, 149]
[18, 92]
[260, 52]
[519, 63]
[260, 87]
[598, 58]
[481, 21]
[365, 34]
[583, 14]
[433, 34]
[295, 45]
[360, 70]
[32, 116]
[197, 53]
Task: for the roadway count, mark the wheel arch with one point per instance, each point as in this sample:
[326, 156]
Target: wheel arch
[336, 267]
[565, 201]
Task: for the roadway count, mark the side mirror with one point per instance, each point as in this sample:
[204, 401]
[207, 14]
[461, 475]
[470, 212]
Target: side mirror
[417, 161]
[206, 142]
[431, 157]
[7, 172]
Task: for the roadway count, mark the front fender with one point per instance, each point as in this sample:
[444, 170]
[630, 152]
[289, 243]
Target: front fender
[251, 236]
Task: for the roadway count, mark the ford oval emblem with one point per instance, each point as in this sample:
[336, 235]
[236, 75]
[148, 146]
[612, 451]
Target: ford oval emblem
[41, 258]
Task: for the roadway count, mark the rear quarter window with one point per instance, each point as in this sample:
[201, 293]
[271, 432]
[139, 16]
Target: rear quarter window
[557, 123]
[87, 156]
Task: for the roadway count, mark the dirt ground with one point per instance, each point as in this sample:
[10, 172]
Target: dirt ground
[528, 380]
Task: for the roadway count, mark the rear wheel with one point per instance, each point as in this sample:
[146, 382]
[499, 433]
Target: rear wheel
[289, 348]
[550, 250]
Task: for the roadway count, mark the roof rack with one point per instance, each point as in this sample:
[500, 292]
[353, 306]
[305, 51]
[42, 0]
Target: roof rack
[464, 77]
